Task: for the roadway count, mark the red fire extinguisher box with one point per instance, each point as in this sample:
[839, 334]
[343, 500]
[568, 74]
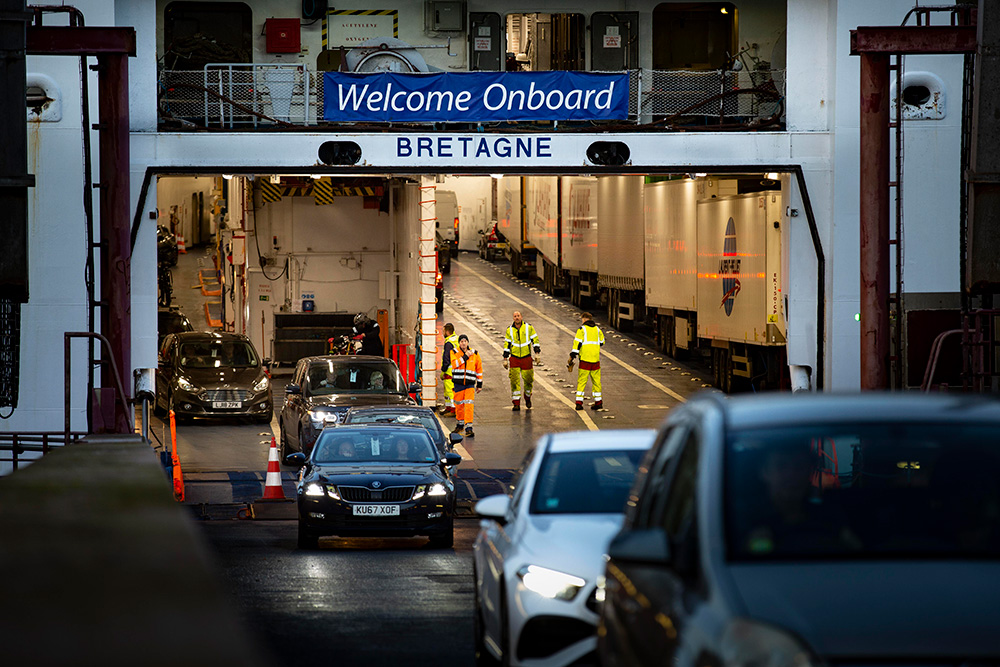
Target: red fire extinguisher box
[283, 35]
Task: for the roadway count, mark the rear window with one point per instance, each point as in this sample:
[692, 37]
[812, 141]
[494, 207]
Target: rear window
[867, 491]
[585, 482]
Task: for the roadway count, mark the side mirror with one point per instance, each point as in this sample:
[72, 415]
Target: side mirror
[293, 388]
[494, 507]
[641, 546]
[298, 459]
[451, 459]
[414, 388]
[456, 438]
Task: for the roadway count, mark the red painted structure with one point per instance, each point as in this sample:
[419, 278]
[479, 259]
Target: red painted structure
[112, 47]
[875, 45]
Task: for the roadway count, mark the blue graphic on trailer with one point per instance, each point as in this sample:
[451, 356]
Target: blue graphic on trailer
[474, 96]
[729, 269]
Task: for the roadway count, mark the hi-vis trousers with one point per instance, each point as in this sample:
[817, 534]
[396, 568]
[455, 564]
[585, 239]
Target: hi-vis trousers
[519, 368]
[449, 390]
[581, 384]
[464, 407]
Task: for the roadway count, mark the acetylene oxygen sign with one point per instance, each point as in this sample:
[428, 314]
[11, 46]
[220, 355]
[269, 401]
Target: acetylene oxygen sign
[474, 96]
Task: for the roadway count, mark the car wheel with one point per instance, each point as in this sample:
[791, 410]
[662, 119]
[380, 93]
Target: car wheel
[504, 627]
[157, 410]
[265, 418]
[444, 540]
[483, 656]
[308, 540]
[282, 442]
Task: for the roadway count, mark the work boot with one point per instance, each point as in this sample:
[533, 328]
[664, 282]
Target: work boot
[449, 411]
[517, 407]
[469, 433]
[527, 402]
[597, 406]
[579, 406]
[458, 427]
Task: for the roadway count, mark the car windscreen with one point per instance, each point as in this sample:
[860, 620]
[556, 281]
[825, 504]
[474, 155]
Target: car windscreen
[595, 482]
[218, 354]
[894, 490]
[338, 445]
[383, 417]
[332, 377]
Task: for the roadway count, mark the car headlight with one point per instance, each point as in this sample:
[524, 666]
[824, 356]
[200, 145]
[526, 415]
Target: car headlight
[437, 489]
[550, 583]
[185, 385]
[332, 492]
[320, 417]
[747, 642]
[261, 384]
[314, 489]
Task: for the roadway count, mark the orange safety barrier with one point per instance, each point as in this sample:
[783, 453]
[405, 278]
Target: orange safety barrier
[175, 462]
[217, 324]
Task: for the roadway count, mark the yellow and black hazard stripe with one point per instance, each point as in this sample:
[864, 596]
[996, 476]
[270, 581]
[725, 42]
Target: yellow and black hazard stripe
[359, 12]
[270, 192]
[323, 191]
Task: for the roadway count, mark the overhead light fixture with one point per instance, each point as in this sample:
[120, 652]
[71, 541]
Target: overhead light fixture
[772, 176]
[275, 179]
[724, 10]
[315, 176]
[699, 174]
[497, 176]
[227, 176]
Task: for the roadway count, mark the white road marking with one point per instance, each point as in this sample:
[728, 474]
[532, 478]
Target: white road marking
[604, 353]
[538, 378]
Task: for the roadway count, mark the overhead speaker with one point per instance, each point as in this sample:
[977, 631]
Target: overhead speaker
[313, 9]
[608, 153]
[339, 153]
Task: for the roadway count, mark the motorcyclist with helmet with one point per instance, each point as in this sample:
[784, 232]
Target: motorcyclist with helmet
[367, 331]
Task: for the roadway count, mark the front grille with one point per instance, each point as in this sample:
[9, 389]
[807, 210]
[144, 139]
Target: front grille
[543, 636]
[225, 395]
[360, 494]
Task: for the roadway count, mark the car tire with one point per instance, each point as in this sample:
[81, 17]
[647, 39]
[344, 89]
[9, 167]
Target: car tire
[266, 418]
[483, 656]
[445, 540]
[308, 540]
[504, 626]
[157, 410]
[282, 442]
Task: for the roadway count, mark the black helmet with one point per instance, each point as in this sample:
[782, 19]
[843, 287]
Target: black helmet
[360, 320]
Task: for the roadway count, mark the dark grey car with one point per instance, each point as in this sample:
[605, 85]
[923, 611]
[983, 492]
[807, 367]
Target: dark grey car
[324, 388]
[206, 374]
[811, 530]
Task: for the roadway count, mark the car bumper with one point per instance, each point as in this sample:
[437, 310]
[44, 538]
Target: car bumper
[190, 405]
[549, 632]
[328, 517]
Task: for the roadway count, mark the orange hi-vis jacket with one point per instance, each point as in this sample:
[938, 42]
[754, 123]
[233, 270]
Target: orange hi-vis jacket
[466, 370]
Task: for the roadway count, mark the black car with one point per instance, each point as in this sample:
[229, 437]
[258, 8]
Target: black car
[206, 374]
[811, 530]
[376, 480]
[171, 320]
[323, 388]
[166, 246]
[406, 414]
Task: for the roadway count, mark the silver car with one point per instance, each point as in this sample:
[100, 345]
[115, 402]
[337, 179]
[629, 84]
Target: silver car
[811, 530]
[539, 552]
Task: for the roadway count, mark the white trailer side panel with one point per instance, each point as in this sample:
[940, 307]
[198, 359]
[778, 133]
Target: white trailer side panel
[620, 232]
[541, 204]
[733, 243]
[509, 219]
[579, 228]
[671, 244]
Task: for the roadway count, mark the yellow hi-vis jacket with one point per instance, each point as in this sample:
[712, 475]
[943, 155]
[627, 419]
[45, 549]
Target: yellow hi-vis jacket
[450, 345]
[587, 343]
[520, 341]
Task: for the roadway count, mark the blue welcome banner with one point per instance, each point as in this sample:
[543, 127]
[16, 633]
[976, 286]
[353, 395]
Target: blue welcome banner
[473, 97]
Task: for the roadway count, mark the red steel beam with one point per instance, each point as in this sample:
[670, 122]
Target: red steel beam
[875, 45]
[70, 41]
[914, 40]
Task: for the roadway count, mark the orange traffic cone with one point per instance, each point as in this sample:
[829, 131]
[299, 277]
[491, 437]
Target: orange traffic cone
[181, 248]
[272, 483]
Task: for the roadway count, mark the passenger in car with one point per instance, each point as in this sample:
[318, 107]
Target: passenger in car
[346, 449]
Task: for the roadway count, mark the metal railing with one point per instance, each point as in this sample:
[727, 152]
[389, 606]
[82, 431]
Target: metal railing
[251, 96]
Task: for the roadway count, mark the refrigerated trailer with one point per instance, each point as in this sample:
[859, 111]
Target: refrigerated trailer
[716, 282]
[510, 222]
